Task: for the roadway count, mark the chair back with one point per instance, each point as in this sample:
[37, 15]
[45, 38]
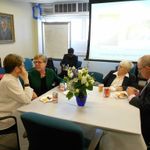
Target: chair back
[12, 129]
[46, 132]
[2, 70]
[0, 63]
[79, 64]
[97, 76]
[134, 70]
[28, 63]
[50, 64]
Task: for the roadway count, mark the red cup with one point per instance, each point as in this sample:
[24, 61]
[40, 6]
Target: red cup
[106, 91]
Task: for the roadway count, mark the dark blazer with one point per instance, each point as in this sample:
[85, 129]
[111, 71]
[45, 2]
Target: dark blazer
[70, 59]
[128, 81]
[143, 103]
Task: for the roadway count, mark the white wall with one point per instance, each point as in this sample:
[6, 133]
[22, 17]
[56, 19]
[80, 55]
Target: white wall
[25, 29]
[26, 36]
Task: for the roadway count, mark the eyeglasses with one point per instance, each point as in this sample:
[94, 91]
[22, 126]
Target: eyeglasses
[37, 62]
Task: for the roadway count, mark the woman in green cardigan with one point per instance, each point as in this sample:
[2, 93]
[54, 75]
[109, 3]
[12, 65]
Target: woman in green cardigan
[42, 79]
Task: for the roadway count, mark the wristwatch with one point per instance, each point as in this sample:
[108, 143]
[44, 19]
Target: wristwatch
[27, 84]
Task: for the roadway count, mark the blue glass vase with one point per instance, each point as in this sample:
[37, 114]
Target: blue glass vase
[81, 100]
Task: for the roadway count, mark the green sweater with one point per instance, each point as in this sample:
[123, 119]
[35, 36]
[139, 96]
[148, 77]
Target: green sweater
[35, 80]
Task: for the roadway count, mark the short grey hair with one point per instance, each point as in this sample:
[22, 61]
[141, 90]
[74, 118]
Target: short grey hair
[126, 64]
[145, 60]
[43, 57]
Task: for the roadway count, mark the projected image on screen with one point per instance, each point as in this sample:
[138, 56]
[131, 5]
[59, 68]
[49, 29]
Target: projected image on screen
[119, 30]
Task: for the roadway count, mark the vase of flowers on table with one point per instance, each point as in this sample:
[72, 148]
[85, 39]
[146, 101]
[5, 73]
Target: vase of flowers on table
[78, 82]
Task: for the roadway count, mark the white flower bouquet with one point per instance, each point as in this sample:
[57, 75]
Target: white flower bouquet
[78, 81]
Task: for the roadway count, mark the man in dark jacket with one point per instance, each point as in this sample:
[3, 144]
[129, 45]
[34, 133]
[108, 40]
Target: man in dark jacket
[69, 60]
[142, 101]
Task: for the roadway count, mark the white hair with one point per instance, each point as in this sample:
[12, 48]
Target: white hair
[126, 64]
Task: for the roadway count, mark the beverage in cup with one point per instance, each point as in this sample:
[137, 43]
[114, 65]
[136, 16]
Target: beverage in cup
[62, 86]
[55, 97]
[106, 91]
[100, 87]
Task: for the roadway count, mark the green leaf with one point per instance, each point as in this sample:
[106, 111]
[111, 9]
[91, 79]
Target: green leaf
[90, 87]
[69, 95]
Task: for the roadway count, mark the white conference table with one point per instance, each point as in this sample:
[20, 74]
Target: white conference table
[119, 119]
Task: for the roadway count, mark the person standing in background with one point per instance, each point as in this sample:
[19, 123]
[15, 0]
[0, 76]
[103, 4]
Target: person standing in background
[12, 93]
[142, 100]
[5, 32]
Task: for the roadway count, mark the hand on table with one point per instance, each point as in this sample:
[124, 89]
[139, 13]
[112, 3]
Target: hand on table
[34, 95]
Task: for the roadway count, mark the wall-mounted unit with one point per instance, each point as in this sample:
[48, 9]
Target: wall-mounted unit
[65, 7]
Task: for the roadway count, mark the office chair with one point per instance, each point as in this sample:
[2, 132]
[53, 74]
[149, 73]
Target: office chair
[0, 63]
[50, 64]
[28, 63]
[2, 70]
[97, 76]
[10, 130]
[46, 132]
[79, 64]
[134, 70]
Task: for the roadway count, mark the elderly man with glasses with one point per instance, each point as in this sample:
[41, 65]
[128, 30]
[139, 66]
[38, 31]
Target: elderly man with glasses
[142, 100]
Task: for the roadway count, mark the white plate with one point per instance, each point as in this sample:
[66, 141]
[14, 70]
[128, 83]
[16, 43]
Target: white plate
[46, 99]
[121, 95]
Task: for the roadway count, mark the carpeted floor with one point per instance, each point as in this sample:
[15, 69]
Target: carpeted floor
[8, 142]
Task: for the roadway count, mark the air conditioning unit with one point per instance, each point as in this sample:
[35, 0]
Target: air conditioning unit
[47, 9]
[62, 8]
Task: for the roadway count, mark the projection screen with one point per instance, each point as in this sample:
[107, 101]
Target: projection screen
[118, 30]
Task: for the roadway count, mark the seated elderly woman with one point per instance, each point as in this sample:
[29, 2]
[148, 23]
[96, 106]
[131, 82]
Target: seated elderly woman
[122, 78]
[41, 78]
